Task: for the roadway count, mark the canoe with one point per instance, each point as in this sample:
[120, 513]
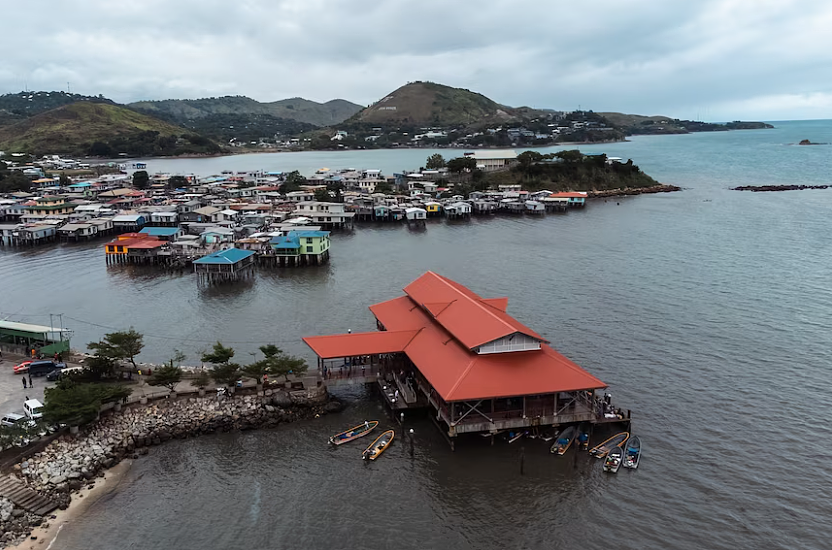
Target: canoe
[564, 440]
[601, 450]
[613, 461]
[632, 454]
[353, 433]
[378, 446]
[583, 435]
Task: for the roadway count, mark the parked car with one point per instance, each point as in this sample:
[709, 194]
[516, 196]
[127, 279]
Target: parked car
[42, 368]
[59, 373]
[22, 367]
[12, 419]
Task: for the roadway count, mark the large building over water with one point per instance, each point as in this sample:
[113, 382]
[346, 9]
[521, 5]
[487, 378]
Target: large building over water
[478, 368]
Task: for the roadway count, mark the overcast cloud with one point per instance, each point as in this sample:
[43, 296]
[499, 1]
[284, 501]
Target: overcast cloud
[711, 59]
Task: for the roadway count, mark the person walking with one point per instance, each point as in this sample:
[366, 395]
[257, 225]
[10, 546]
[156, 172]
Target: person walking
[24, 383]
[30, 381]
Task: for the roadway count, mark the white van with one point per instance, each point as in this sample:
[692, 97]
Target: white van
[33, 409]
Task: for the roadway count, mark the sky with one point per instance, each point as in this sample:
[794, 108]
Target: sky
[710, 60]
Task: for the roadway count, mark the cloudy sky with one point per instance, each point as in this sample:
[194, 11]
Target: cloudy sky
[707, 59]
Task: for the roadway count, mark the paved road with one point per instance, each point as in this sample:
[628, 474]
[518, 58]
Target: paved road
[12, 394]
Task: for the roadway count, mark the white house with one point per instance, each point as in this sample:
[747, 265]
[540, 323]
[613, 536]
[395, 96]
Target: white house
[493, 160]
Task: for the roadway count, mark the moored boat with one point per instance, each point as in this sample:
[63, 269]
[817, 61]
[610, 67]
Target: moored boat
[353, 433]
[583, 435]
[378, 446]
[564, 440]
[514, 436]
[632, 454]
[601, 450]
[613, 461]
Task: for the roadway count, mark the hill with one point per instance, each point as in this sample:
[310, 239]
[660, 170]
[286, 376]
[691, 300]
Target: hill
[100, 129]
[22, 105]
[640, 124]
[431, 104]
[298, 109]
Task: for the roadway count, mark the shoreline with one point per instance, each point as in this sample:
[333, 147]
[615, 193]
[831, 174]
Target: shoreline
[623, 192]
[72, 469]
[48, 532]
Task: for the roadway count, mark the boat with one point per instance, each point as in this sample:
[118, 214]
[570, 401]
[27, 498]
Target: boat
[632, 453]
[601, 450]
[583, 435]
[564, 440]
[378, 446]
[353, 433]
[512, 436]
[613, 461]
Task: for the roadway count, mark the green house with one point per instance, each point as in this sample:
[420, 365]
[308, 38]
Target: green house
[302, 247]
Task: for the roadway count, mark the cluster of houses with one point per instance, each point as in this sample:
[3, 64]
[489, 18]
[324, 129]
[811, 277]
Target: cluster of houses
[189, 217]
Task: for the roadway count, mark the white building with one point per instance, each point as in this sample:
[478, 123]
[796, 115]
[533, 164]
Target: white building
[493, 160]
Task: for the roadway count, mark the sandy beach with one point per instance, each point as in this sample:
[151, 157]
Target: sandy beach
[49, 533]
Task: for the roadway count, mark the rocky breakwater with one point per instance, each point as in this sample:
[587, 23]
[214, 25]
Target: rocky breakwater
[763, 188]
[621, 192]
[72, 462]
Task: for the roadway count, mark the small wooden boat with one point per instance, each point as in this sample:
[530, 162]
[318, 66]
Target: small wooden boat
[583, 435]
[353, 433]
[603, 449]
[564, 440]
[378, 446]
[613, 460]
[632, 454]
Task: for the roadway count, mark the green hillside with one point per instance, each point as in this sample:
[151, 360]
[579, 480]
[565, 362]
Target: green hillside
[100, 129]
[22, 105]
[298, 109]
[427, 103]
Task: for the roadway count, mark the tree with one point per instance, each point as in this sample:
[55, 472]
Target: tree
[258, 369]
[527, 160]
[226, 374]
[284, 365]
[140, 179]
[177, 182]
[219, 355]
[462, 164]
[100, 366]
[201, 381]
[120, 345]
[322, 195]
[64, 180]
[168, 376]
[76, 403]
[435, 161]
[293, 182]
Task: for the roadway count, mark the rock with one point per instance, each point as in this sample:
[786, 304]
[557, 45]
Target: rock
[281, 399]
[57, 480]
[17, 513]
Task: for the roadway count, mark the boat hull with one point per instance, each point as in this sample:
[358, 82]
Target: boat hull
[374, 450]
[353, 433]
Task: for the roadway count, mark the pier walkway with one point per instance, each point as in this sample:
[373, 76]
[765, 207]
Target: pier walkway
[24, 497]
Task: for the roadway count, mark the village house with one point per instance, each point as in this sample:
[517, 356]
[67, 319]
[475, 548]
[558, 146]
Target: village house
[49, 205]
[325, 214]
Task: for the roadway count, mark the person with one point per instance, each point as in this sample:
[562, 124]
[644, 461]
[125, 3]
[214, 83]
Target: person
[60, 358]
[30, 381]
[33, 353]
[265, 379]
[366, 424]
[24, 382]
[55, 357]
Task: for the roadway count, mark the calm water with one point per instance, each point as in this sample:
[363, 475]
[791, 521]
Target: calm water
[707, 312]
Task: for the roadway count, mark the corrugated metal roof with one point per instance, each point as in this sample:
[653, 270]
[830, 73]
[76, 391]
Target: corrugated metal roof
[360, 343]
[26, 327]
[160, 231]
[230, 256]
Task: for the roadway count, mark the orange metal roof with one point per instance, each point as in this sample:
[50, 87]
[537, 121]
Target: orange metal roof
[456, 372]
[360, 343]
[470, 319]
[146, 243]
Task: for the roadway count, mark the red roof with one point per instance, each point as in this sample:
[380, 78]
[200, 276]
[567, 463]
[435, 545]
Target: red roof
[146, 243]
[433, 340]
[470, 319]
[360, 343]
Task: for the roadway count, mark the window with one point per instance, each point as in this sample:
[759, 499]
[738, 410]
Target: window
[120, 248]
[309, 250]
[308, 240]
